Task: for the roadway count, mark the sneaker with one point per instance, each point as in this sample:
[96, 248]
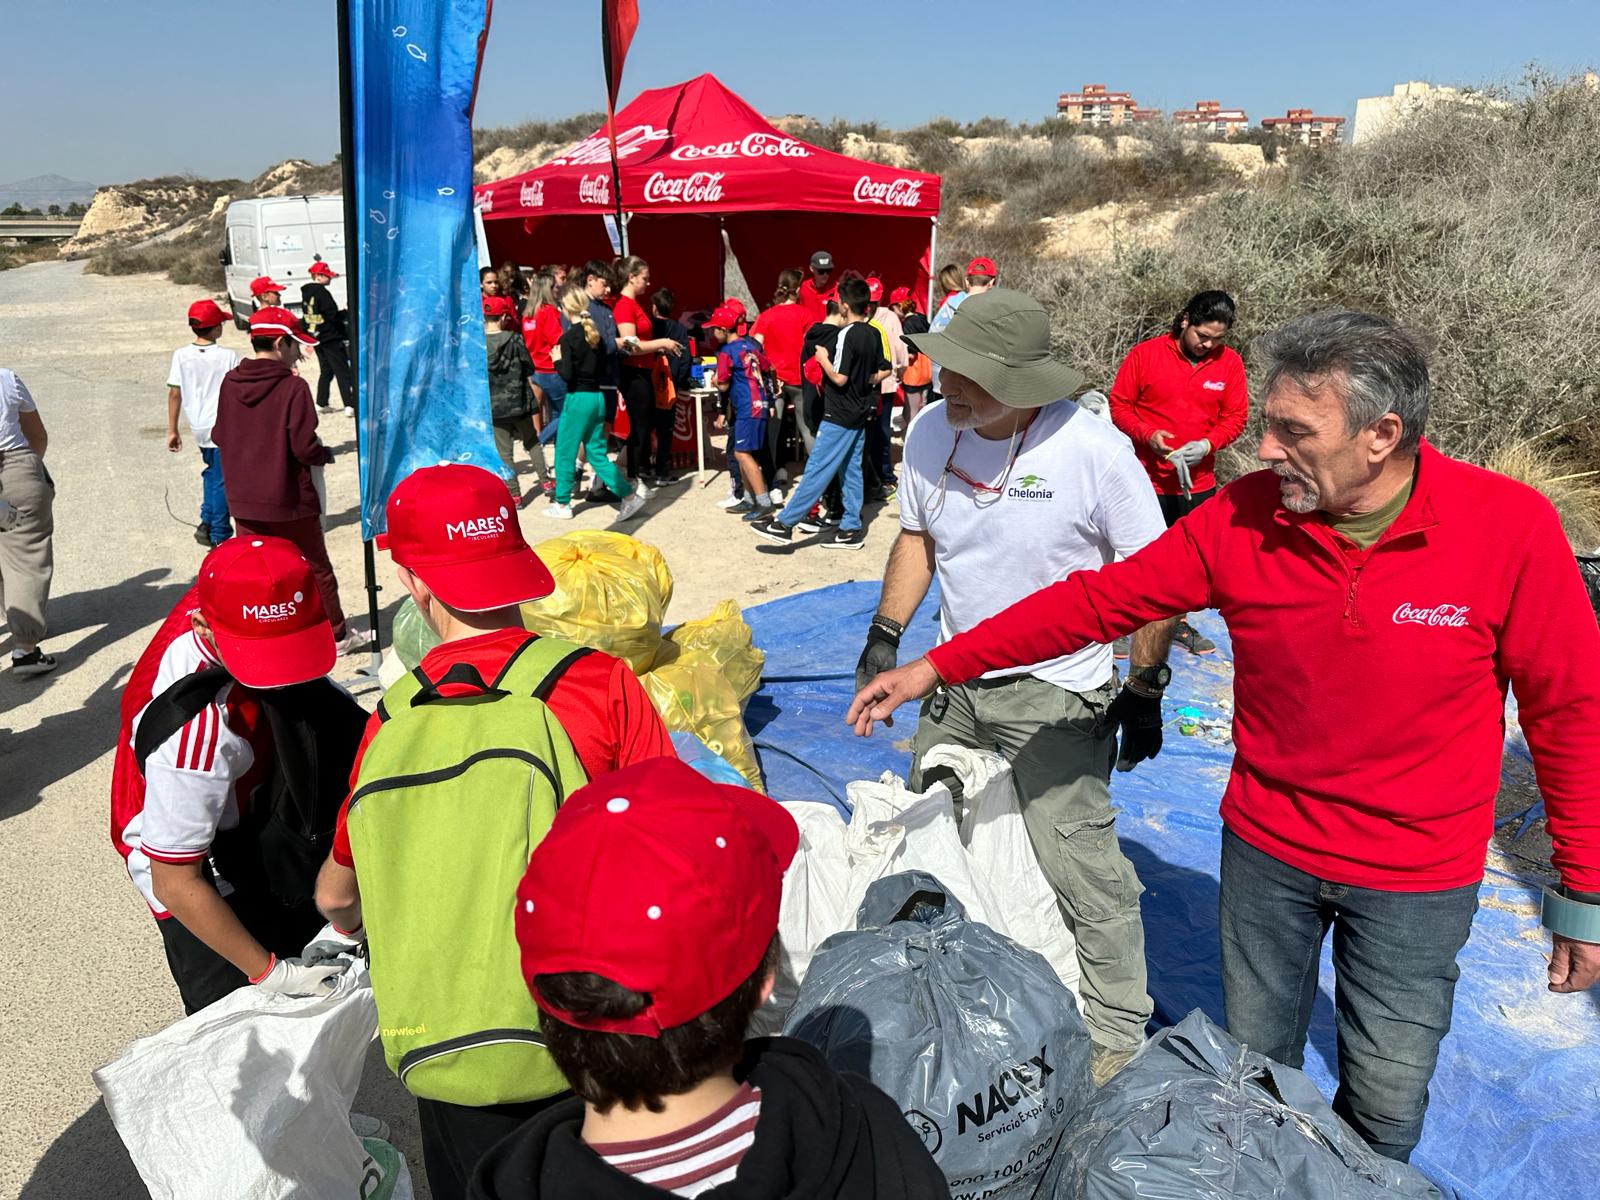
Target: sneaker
[743, 506]
[640, 490]
[548, 487]
[809, 526]
[847, 539]
[34, 662]
[364, 1126]
[202, 534]
[1122, 647]
[324, 408]
[631, 506]
[761, 514]
[1192, 640]
[349, 410]
[731, 500]
[777, 495]
[774, 530]
[353, 641]
[661, 481]
[558, 512]
[1105, 1062]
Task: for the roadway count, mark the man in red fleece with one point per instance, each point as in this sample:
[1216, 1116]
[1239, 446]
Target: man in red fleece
[267, 431]
[1375, 631]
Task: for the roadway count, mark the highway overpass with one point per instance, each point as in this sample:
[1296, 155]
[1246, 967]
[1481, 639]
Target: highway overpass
[36, 229]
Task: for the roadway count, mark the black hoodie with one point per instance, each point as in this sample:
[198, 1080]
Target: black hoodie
[821, 1134]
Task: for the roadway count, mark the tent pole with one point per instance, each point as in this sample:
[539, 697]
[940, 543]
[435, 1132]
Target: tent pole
[933, 263]
[352, 281]
[722, 258]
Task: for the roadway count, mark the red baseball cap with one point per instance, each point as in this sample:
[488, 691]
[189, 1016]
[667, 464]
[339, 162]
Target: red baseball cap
[499, 306]
[659, 880]
[321, 268]
[899, 295]
[723, 318]
[261, 600]
[203, 314]
[982, 266]
[874, 288]
[274, 321]
[264, 283]
[455, 526]
[735, 305]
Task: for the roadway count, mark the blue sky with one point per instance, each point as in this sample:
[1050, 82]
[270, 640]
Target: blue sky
[104, 91]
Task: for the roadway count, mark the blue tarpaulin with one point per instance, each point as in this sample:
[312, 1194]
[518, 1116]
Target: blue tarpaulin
[1515, 1108]
[424, 377]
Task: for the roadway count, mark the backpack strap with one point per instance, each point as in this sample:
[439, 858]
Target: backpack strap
[463, 674]
[175, 708]
[538, 666]
[548, 685]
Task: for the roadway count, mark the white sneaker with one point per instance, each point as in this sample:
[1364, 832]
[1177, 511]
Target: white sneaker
[364, 1126]
[631, 506]
[730, 500]
[353, 640]
[558, 512]
[640, 490]
[777, 496]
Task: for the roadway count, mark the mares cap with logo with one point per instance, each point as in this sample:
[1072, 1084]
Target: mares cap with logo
[455, 527]
[260, 599]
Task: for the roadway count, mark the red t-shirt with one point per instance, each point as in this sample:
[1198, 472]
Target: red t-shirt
[782, 330]
[815, 302]
[629, 312]
[1157, 387]
[599, 702]
[541, 330]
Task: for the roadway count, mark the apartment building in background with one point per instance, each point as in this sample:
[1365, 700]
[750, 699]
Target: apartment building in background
[1094, 105]
[1304, 126]
[1208, 116]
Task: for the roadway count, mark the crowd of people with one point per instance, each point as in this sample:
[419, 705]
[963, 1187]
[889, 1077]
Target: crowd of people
[590, 1038]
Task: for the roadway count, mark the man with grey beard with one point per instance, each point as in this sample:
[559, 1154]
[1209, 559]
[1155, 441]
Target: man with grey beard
[1377, 622]
[1006, 486]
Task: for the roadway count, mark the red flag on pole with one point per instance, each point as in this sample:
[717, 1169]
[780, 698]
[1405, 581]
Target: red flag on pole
[618, 20]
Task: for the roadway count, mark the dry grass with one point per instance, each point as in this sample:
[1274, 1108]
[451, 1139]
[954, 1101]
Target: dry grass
[534, 133]
[1574, 489]
[23, 253]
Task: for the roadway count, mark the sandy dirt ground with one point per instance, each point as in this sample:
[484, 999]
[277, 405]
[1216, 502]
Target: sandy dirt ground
[81, 965]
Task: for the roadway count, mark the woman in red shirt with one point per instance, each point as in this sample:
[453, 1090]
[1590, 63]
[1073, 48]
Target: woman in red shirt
[781, 329]
[638, 390]
[541, 330]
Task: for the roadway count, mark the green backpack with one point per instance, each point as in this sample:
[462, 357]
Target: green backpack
[452, 796]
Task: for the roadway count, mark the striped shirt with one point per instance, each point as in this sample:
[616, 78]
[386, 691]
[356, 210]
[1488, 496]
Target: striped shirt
[690, 1161]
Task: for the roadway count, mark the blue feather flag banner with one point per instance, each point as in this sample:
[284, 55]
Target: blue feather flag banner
[424, 374]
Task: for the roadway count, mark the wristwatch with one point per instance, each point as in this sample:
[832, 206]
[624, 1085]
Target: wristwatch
[1151, 679]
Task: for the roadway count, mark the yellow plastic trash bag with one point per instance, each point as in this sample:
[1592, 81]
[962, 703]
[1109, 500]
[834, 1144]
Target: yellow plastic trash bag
[694, 696]
[721, 638]
[612, 592]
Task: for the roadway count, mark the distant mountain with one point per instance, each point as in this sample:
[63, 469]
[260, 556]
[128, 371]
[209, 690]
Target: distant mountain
[44, 190]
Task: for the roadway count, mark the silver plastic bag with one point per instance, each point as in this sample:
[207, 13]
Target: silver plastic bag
[1198, 1115]
[973, 1035]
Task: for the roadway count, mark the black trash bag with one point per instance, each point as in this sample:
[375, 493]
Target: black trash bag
[973, 1035]
[1198, 1115]
[1589, 568]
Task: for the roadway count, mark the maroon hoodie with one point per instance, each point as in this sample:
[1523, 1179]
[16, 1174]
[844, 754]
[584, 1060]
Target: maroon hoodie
[267, 432]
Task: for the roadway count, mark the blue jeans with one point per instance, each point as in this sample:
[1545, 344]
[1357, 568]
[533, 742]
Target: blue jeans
[1394, 969]
[213, 502]
[555, 391]
[837, 449]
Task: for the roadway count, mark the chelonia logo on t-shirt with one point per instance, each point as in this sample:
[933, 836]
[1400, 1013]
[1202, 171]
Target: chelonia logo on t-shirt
[1031, 487]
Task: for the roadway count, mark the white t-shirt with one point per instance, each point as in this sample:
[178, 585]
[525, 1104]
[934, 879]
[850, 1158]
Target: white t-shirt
[197, 373]
[191, 779]
[14, 399]
[1075, 498]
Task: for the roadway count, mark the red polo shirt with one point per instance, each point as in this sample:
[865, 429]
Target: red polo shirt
[815, 302]
[1157, 387]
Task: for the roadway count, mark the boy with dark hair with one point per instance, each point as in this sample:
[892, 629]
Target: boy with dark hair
[193, 382]
[647, 922]
[853, 367]
[742, 372]
[326, 322]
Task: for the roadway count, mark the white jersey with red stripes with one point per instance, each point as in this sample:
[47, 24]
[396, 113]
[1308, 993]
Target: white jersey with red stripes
[195, 781]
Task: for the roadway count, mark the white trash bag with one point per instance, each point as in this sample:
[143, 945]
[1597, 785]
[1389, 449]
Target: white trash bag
[251, 1097]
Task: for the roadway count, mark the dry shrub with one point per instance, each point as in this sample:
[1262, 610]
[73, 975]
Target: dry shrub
[23, 253]
[1574, 491]
[535, 133]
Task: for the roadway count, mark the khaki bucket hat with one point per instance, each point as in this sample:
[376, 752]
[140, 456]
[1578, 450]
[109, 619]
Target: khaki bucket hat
[1000, 339]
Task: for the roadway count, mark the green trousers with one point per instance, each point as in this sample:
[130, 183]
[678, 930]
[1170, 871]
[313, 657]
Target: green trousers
[582, 423]
[1062, 767]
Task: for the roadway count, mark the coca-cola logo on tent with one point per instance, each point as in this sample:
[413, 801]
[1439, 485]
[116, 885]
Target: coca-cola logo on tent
[630, 141]
[531, 194]
[594, 189]
[752, 145]
[897, 193]
[703, 187]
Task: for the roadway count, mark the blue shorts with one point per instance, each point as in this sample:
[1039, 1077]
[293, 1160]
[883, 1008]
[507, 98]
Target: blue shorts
[750, 434]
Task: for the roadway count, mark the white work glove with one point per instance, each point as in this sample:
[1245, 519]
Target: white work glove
[1190, 453]
[1184, 479]
[289, 977]
[330, 943]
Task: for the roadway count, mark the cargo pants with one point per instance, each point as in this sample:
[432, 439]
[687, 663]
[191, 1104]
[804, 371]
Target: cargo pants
[27, 556]
[1062, 764]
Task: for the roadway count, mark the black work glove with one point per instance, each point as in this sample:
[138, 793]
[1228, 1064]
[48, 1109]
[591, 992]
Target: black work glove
[1137, 718]
[880, 652]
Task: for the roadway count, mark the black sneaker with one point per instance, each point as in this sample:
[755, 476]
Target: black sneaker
[847, 539]
[774, 530]
[35, 662]
[809, 525]
[761, 514]
[202, 534]
[745, 505]
[1192, 640]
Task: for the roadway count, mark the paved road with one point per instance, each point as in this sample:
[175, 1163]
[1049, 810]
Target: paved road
[81, 967]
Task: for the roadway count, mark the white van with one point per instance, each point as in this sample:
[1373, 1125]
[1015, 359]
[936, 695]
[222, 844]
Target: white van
[281, 236]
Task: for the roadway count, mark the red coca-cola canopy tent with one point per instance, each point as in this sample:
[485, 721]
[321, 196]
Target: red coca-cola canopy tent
[696, 162]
